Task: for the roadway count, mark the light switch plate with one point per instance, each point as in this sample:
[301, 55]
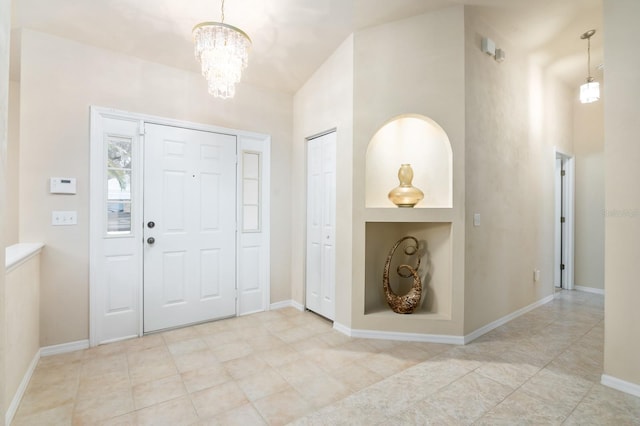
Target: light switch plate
[476, 219]
[63, 218]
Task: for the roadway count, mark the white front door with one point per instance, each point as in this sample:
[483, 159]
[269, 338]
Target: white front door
[321, 216]
[189, 226]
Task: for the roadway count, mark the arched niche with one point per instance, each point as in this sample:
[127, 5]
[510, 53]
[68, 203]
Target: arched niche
[410, 139]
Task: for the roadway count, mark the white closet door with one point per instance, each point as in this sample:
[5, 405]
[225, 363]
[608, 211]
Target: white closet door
[189, 226]
[321, 214]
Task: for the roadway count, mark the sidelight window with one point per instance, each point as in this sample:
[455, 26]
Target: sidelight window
[119, 156]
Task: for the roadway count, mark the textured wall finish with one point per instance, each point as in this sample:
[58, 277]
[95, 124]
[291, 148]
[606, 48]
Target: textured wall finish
[325, 102]
[516, 115]
[588, 143]
[622, 199]
[13, 140]
[421, 72]
[54, 141]
[5, 21]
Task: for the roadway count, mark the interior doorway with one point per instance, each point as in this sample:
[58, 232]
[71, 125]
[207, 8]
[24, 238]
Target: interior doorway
[563, 264]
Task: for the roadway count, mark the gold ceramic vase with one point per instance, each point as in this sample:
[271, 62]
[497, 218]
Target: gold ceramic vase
[405, 195]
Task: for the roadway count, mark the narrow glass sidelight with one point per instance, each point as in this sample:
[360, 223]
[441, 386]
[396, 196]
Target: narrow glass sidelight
[251, 197]
[118, 184]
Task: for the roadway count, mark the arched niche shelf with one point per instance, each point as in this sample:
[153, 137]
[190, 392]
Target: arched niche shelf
[410, 139]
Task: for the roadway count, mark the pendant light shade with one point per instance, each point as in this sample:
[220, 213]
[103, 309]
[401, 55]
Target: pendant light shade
[589, 91]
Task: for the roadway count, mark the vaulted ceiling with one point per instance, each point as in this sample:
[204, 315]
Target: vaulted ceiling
[291, 38]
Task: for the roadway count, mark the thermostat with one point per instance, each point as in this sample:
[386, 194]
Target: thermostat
[61, 185]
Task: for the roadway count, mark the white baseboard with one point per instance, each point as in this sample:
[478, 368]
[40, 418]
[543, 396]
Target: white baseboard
[342, 328]
[621, 385]
[393, 335]
[286, 304]
[590, 289]
[439, 338]
[46, 351]
[64, 348]
[505, 319]
[15, 401]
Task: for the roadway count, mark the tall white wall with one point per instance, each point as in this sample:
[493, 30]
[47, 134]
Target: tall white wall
[59, 80]
[13, 140]
[622, 199]
[325, 102]
[588, 144]
[5, 25]
[515, 115]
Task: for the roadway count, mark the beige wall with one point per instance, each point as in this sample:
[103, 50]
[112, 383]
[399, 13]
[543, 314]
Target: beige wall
[411, 66]
[622, 200]
[60, 79]
[516, 114]
[22, 322]
[325, 102]
[13, 140]
[588, 144]
[5, 25]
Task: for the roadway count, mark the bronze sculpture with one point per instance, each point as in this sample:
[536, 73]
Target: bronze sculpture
[407, 303]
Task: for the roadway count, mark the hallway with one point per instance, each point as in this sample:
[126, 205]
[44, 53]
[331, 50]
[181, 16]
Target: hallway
[287, 366]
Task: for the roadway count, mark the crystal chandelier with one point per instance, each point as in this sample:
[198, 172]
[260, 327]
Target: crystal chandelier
[223, 51]
[589, 91]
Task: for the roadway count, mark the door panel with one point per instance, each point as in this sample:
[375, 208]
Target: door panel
[253, 221]
[321, 213]
[189, 266]
[115, 251]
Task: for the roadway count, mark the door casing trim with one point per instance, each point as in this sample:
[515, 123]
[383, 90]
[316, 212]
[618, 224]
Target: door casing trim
[569, 208]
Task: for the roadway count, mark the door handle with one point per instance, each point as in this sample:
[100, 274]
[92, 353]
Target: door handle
[151, 240]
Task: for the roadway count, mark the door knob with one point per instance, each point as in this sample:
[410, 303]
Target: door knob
[151, 224]
[151, 240]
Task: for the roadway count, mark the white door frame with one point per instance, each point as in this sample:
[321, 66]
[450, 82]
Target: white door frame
[259, 298]
[568, 246]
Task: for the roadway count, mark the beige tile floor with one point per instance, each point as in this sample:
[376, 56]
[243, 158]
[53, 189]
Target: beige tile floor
[288, 366]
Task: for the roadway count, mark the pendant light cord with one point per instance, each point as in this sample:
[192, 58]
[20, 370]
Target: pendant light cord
[222, 12]
[588, 56]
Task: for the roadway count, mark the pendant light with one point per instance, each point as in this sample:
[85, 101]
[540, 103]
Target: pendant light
[589, 91]
[222, 50]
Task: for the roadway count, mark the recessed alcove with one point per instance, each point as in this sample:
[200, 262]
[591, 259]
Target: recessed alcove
[435, 270]
[410, 139]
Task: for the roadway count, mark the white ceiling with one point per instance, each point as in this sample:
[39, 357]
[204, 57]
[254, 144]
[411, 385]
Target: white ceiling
[291, 38]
